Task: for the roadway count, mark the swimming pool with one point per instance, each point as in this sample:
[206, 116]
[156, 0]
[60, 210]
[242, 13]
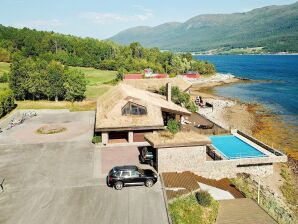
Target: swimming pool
[234, 148]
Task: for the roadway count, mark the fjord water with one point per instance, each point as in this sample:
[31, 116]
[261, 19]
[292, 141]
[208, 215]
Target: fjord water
[278, 86]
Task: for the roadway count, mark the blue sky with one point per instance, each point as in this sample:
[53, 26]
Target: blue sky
[104, 18]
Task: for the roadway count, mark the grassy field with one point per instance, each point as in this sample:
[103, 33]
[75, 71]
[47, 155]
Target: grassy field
[4, 67]
[95, 91]
[186, 210]
[44, 104]
[96, 76]
[95, 81]
[3, 85]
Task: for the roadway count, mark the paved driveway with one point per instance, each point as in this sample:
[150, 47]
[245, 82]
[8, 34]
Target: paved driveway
[118, 156]
[60, 182]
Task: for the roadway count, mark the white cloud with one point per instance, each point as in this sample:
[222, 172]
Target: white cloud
[40, 24]
[105, 18]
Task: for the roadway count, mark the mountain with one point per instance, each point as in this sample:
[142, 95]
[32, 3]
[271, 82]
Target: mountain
[273, 28]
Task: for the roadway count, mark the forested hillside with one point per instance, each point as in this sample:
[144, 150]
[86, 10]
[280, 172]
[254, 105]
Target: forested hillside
[40, 64]
[88, 52]
[274, 28]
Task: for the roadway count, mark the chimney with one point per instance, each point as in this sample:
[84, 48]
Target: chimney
[169, 91]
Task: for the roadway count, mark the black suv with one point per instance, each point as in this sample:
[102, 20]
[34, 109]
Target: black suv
[121, 176]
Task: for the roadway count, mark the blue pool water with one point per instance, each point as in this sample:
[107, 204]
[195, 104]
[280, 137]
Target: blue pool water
[232, 147]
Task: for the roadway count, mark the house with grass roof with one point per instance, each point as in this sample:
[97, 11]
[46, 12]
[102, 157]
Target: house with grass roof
[125, 113]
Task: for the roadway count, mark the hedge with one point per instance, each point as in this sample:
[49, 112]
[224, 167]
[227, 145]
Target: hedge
[203, 198]
[6, 101]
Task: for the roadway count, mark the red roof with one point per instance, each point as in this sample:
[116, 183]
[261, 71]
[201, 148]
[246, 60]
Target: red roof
[161, 76]
[133, 76]
[192, 75]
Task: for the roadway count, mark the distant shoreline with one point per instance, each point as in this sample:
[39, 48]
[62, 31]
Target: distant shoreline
[264, 54]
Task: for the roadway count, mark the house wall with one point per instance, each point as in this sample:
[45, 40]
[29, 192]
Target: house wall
[127, 137]
[193, 159]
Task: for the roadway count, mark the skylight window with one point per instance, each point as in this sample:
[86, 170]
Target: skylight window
[133, 109]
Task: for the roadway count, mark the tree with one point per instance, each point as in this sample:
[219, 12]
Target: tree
[38, 79]
[4, 55]
[137, 50]
[75, 85]
[55, 76]
[6, 101]
[120, 74]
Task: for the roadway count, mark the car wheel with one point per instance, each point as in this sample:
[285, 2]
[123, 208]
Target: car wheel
[149, 183]
[118, 185]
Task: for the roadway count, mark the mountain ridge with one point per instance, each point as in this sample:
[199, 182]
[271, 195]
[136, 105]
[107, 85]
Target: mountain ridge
[274, 28]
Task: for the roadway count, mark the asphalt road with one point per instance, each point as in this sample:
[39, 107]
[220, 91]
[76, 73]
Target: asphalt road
[60, 183]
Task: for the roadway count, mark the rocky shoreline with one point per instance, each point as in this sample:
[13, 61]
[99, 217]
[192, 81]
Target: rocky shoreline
[255, 120]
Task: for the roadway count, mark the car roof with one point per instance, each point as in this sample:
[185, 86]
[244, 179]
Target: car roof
[130, 167]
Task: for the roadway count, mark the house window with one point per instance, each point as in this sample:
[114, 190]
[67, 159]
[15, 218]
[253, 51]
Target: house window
[133, 109]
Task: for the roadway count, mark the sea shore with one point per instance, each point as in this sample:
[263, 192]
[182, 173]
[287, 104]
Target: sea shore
[255, 120]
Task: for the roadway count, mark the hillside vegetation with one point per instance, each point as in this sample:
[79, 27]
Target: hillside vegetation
[51, 66]
[275, 28]
[88, 52]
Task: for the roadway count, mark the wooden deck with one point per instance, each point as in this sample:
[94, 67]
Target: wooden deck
[197, 119]
[188, 182]
[242, 211]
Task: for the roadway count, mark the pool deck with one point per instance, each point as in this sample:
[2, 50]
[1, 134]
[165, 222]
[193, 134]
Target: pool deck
[267, 154]
[261, 149]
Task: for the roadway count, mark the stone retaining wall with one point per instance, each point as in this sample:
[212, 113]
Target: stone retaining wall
[179, 159]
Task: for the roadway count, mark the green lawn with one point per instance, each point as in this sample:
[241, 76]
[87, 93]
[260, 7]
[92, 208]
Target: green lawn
[45, 104]
[95, 79]
[95, 91]
[3, 85]
[186, 210]
[96, 76]
[4, 67]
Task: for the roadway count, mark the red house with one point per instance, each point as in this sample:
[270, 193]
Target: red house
[192, 75]
[161, 76]
[133, 76]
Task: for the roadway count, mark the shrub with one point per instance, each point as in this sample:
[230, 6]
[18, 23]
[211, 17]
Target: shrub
[4, 78]
[180, 98]
[204, 198]
[186, 210]
[120, 74]
[173, 126]
[6, 101]
[96, 139]
[192, 107]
